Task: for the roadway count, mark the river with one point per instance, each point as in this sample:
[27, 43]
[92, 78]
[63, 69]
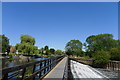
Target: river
[18, 60]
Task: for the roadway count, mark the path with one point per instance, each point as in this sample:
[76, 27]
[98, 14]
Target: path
[58, 71]
[84, 71]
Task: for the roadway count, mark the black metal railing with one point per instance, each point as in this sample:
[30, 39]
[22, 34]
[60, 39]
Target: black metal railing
[30, 71]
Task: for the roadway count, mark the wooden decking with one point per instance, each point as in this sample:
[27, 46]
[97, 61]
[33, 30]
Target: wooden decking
[58, 71]
[83, 71]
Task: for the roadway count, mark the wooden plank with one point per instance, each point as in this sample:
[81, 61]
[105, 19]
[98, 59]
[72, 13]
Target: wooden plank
[58, 71]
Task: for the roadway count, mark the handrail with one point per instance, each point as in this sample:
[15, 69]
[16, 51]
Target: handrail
[43, 65]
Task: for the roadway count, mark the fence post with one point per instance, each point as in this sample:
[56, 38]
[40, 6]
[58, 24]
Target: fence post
[34, 71]
[45, 66]
[113, 65]
[119, 71]
[40, 68]
[5, 77]
[48, 64]
[23, 73]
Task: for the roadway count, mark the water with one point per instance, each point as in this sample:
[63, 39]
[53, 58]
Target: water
[18, 61]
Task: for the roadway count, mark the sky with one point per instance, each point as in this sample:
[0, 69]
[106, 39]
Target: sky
[56, 23]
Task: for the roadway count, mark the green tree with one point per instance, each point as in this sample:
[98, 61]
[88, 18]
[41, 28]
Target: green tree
[42, 50]
[115, 53]
[73, 47]
[27, 45]
[99, 42]
[101, 58]
[27, 39]
[46, 50]
[58, 52]
[52, 51]
[4, 44]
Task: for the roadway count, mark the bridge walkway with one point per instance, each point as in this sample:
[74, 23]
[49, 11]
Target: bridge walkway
[58, 71]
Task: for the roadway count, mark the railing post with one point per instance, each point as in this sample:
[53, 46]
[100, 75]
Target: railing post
[45, 66]
[23, 73]
[119, 71]
[34, 70]
[113, 65]
[109, 65]
[48, 64]
[40, 68]
[5, 77]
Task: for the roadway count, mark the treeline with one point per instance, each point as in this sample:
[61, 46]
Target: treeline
[26, 46]
[101, 48]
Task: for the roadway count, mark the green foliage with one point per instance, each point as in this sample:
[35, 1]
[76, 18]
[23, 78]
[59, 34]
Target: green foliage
[27, 45]
[115, 54]
[27, 39]
[58, 52]
[99, 42]
[4, 44]
[27, 48]
[101, 58]
[46, 48]
[52, 51]
[73, 47]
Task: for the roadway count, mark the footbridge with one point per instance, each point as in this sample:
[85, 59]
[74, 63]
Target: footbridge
[54, 68]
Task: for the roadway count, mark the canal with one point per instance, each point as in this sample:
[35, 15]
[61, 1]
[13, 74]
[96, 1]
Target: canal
[13, 61]
[18, 60]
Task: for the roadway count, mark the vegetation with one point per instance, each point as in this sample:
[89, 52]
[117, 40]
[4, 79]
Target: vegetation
[101, 58]
[115, 54]
[74, 47]
[59, 52]
[4, 44]
[99, 42]
[101, 48]
[27, 45]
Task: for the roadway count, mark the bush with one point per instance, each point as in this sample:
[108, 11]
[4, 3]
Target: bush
[115, 54]
[101, 58]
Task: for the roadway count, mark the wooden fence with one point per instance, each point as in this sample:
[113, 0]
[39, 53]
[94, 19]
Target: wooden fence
[38, 69]
[113, 65]
[84, 61]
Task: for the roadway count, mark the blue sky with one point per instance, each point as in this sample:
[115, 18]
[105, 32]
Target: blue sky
[54, 24]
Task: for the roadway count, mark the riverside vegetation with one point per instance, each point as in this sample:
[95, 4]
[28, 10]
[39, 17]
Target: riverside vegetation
[101, 48]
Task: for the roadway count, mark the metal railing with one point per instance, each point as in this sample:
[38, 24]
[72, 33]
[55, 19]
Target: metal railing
[38, 69]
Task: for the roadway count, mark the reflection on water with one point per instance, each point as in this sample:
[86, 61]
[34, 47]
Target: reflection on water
[17, 60]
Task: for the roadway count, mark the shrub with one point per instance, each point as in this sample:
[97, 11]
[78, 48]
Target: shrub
[101, 58]
[115, 54]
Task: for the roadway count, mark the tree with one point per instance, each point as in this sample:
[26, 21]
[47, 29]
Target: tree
[52, 51]
[115, 53]
[4, 44]
[58, 52]
[73, 47]
[27, 45]
[27, 39]
[46, 49]
[42, 50]
[99, 42]
[101, 58]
